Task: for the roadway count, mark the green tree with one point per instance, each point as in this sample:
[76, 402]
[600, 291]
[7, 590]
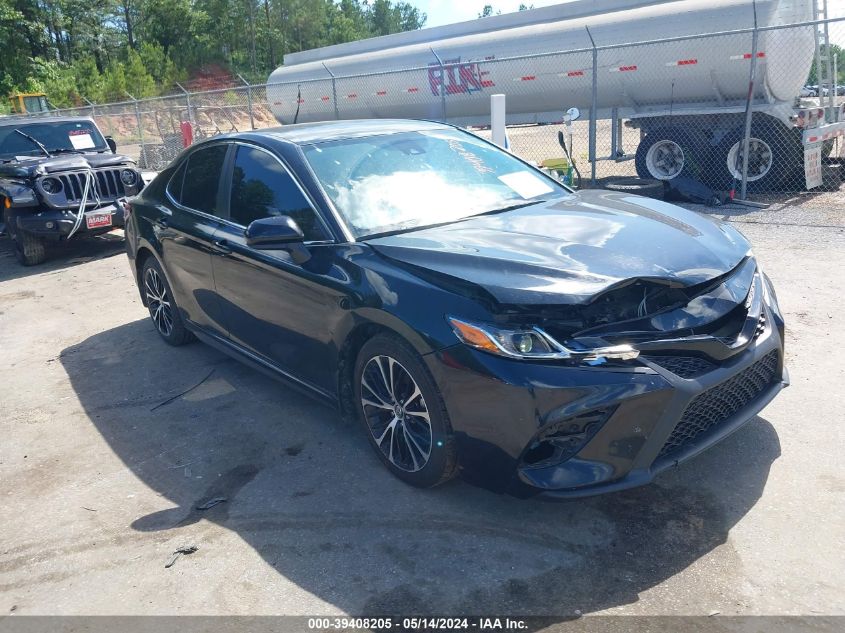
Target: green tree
[139, 81]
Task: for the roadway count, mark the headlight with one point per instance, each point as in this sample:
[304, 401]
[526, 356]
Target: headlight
[518, 343]
[51, 185]
[529, 344]
[128, 177]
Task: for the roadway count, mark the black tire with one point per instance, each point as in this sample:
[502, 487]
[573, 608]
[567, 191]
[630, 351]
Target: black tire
[30, 249]
[164, 312]
[775, 158]
[688, 151]
[638, 186]
[395, 450]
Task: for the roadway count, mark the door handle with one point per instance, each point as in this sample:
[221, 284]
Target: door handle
[222, 246]
[161, 223]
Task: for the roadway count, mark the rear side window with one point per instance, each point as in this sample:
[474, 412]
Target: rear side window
[174, 186]
[262, 188]
[202, 179]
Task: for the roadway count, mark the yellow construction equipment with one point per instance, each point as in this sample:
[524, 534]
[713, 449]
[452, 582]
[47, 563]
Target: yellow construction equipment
[28, 102]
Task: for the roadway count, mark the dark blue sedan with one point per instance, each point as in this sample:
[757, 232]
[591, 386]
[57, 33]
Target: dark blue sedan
[475, 315]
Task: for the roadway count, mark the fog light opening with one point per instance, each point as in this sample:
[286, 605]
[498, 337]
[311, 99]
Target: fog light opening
[540, 452]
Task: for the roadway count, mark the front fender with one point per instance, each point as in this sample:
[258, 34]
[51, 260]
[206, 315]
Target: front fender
[20, 195]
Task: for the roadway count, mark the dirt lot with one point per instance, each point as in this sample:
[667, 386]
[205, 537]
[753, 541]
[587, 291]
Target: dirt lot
[102, 464]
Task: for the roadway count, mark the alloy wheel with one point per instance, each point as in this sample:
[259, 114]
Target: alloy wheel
[396, 413]
[158, 302]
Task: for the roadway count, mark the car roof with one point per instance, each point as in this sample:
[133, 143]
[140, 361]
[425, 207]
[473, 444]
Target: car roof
[26, 120]
[306, 133]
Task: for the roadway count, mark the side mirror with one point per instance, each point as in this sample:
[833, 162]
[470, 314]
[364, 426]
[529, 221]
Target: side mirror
[279, 232]
[112, 144]
[573, 114]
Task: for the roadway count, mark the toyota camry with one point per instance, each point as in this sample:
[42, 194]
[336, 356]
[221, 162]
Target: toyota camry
[473, 314]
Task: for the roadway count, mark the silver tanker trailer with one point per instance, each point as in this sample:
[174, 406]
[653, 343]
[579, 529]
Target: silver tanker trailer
[687, 96]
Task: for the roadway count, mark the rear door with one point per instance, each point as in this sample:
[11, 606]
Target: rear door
[277, 309]
[186, 233]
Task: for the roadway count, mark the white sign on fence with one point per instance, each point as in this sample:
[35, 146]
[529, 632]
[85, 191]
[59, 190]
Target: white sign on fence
[813, 165]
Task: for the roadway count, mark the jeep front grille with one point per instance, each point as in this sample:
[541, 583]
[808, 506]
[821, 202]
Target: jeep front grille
[106, 182]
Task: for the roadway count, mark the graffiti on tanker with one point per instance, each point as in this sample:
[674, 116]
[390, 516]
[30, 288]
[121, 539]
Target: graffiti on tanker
[457, 77]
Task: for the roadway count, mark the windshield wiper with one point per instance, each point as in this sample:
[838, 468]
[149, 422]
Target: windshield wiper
[508, 208]
[38, 143]
[420, 227]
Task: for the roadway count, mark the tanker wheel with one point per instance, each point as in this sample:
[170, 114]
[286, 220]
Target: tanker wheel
[667, 153]
[774, 158]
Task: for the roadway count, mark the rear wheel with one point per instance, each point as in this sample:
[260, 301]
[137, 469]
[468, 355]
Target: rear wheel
[163, 309]
[774, 158]
[667, 153]
[403, 412]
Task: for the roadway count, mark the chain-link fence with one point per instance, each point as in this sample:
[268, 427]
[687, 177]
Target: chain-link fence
[661, 109]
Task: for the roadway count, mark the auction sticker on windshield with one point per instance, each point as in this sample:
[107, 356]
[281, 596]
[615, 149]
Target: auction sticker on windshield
[526, 184]
[81, 139]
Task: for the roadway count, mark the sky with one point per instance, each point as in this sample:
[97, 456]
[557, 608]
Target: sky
[442, 12]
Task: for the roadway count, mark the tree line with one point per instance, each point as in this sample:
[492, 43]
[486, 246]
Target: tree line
[105, 50]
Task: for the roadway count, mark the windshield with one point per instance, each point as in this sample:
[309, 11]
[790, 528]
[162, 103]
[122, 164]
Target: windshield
[396, 182]
[56, 137]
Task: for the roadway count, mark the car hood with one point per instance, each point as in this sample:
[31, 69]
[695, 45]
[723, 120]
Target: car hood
[38, 165]
[569, 250]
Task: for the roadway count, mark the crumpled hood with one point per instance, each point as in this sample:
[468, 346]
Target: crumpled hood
[37, 165]
[569, 250]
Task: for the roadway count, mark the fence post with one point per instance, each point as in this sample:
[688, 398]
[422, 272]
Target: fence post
[142, 153]
[91, 104]
[593, 109]
[248, 100]
[752, 75]
[442, 85]
[334, 91]
[187, 102]
[498, 115]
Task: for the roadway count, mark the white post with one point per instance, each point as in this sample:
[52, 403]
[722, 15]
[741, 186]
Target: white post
[497, 120]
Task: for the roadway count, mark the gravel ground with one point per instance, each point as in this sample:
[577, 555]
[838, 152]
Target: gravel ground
[103, 463]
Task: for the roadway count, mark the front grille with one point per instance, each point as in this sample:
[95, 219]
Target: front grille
[683, 366]
[709, 409]
[107, 184]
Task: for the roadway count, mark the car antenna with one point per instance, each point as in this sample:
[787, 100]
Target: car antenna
[36, 141]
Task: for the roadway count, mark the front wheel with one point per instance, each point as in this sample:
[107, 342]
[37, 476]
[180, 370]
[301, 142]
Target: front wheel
[30, 249]
[403, 412]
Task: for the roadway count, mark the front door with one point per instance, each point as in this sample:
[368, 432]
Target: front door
[279, 310]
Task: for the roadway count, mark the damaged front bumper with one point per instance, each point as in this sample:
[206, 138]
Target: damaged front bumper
[58, 224]
[564, 430]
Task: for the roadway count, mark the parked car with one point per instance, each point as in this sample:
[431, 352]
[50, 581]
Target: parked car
[809, 91]
[473, 314]
[59, 178]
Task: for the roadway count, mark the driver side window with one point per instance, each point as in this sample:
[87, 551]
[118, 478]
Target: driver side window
[262, 188]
